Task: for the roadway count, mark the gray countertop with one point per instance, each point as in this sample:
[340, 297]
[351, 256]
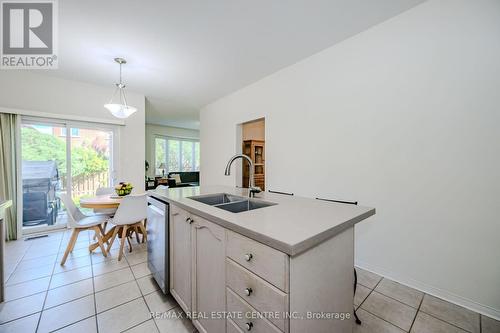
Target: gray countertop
[294, 225]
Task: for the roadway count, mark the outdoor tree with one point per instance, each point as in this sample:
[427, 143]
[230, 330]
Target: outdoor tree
[37, 146]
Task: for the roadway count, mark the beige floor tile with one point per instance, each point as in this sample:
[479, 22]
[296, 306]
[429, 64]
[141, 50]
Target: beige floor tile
[395, 312]
[367, 279]
[83, 244]
[75, 254]
[112, 279]
[428, 324]
[22, 325]
[98, 257]
[147, 284]
[137, 257]
[400, 292]
[8, 269]
[373, 324]
[140, 270]
[109, 266]
[451, 313]
[29, 274]
[159, 302]
[117, 295]
[489, 325]
[72, 263]
[66, 314]
[361, 294]
[72, 276]
[51, 247]
[147, 327]
[174, 323]
[123, 317]
[21, 307]
[39, 254]
[38, 262]
[68, 293]
[88, 325]
[23, 289]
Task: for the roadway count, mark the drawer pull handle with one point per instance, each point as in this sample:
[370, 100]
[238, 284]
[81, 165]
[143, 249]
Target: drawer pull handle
[189, 220]
[249, 326]
[248, 256]
[248, 291]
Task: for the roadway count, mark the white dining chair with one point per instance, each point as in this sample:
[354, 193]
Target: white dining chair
[129, 217]
[79, 222]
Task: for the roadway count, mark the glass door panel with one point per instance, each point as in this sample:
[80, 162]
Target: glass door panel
[43, 153]
[90, 161]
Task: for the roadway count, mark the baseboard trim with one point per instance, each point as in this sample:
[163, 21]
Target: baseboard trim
[437, 292]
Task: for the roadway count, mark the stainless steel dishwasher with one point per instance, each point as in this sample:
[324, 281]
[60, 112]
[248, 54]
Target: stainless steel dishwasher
[158, 242]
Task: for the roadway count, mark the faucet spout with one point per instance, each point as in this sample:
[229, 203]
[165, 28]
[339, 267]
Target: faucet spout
[251, 181]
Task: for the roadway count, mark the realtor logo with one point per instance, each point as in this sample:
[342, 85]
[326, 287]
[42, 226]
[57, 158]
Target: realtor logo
[28, 34]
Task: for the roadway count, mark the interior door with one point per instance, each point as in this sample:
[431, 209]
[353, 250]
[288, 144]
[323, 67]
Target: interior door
[209, 273]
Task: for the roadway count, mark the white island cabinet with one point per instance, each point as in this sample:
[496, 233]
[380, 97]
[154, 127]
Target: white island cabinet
[180, 257]
[285, 268]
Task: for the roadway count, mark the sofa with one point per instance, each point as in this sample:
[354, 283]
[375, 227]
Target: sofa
[188, 178]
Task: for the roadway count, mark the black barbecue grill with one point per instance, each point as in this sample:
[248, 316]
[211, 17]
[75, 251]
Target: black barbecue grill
[40, 183]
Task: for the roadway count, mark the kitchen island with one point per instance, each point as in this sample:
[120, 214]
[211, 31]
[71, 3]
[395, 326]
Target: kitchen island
[275, 263]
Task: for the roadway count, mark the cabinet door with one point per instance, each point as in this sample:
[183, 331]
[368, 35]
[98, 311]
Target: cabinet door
[209, 274]
[180, 257]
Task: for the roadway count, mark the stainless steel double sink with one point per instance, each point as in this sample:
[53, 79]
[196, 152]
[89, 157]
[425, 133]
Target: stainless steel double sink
[231, 203]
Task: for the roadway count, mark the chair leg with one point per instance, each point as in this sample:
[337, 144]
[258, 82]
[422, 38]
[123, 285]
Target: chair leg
[112, 239]
[129, 243]
[103, 230]
[122, 244]
[70, 245]
[99, 240]
[136, 229]
[73, 243]
[144, 232]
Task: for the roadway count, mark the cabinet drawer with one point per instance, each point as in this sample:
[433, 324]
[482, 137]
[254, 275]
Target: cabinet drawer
[258, 293]
[270, 264]
[231, 327]
[250, 317]
[174, 210]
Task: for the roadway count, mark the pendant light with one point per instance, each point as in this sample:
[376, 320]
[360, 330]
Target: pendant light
[120, 109]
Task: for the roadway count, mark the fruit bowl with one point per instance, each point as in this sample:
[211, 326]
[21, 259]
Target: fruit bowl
[123, 189]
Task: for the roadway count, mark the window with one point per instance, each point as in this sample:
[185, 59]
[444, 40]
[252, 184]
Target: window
[75, 132]
[176, 155]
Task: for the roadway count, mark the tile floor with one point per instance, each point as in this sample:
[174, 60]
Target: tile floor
[89, 294]
[384, 306]
[96, 294]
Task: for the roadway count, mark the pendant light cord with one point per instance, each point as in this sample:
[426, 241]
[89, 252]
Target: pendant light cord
[120, 73]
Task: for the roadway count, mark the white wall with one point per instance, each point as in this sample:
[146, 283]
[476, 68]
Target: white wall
[32, 91]
[403, 117]
[155, 130]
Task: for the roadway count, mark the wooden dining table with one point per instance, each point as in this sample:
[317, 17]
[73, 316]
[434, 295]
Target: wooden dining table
[102, 202]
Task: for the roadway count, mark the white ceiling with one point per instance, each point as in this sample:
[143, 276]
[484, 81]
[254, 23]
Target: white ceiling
[185, 54]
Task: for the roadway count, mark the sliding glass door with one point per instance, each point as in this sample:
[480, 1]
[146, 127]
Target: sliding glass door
[90, 161]
[56, 158]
